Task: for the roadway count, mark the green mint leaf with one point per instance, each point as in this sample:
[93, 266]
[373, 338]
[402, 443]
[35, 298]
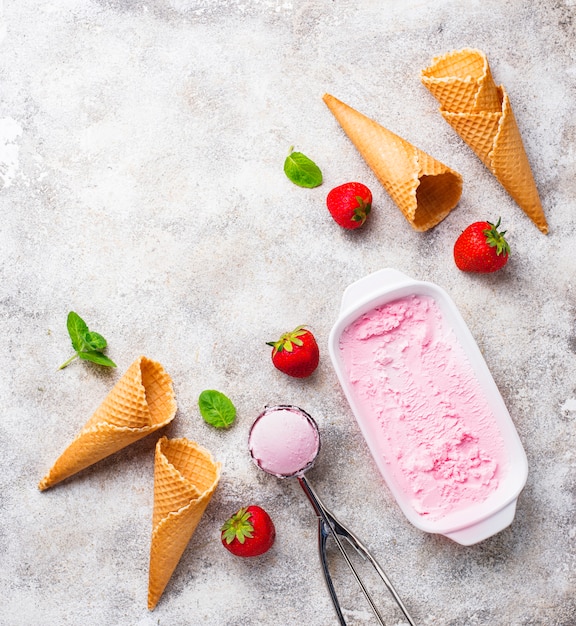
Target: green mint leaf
[302, 171]
[77, 329]
[95, 341]
[87, 344]
[97, 357]
[216, 409]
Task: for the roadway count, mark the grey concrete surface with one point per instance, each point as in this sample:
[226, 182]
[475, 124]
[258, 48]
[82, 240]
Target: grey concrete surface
[141, 185]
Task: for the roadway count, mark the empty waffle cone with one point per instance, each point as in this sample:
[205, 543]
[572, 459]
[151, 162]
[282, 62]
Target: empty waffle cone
[480, 112]
[424, 189]
[141, 402]
[185, 478]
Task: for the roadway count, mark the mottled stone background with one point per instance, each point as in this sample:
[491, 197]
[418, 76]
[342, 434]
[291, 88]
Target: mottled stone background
[141, 152]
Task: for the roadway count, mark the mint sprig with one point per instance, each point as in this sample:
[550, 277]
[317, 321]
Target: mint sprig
[87, 344]
[301, 170]
[216, 409]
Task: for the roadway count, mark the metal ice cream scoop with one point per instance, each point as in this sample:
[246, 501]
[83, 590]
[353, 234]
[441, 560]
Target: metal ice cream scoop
[284, 441]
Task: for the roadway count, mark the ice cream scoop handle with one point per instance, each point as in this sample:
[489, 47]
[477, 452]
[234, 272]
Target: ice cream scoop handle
[329, 525]
[326, 528]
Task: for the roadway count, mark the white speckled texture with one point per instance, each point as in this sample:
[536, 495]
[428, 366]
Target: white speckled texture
[141, 185]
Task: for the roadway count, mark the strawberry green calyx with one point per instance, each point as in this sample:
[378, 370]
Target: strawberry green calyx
[288, 340]
[361, 211]
[238, 527]
[496, 239]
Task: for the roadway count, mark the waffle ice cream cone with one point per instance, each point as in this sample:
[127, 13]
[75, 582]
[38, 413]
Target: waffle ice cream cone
[141, 402]
[480, 112]
[185, 477]
[423, 188]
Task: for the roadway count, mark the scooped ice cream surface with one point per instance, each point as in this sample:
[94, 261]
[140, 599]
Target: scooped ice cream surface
[284, 441]
[425, 411]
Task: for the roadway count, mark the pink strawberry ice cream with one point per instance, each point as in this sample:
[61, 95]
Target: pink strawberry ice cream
[423, 408]
[284, 441]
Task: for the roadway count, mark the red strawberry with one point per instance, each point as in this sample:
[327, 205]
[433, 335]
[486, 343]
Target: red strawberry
[481, 248]
[296, 353]
[349, 204]
[249, 532]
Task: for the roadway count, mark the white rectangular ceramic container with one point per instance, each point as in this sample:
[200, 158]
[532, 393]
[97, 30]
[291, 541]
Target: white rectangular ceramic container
[479, 520]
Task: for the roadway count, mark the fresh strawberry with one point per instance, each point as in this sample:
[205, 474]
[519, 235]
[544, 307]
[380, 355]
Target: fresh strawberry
[481, 248]
[349, 204]
[249, 532]
[296, 353]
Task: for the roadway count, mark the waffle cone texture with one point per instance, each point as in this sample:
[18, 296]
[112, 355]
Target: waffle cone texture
[480, 112]
[185, 478]
[141, 402]
[424, 189]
